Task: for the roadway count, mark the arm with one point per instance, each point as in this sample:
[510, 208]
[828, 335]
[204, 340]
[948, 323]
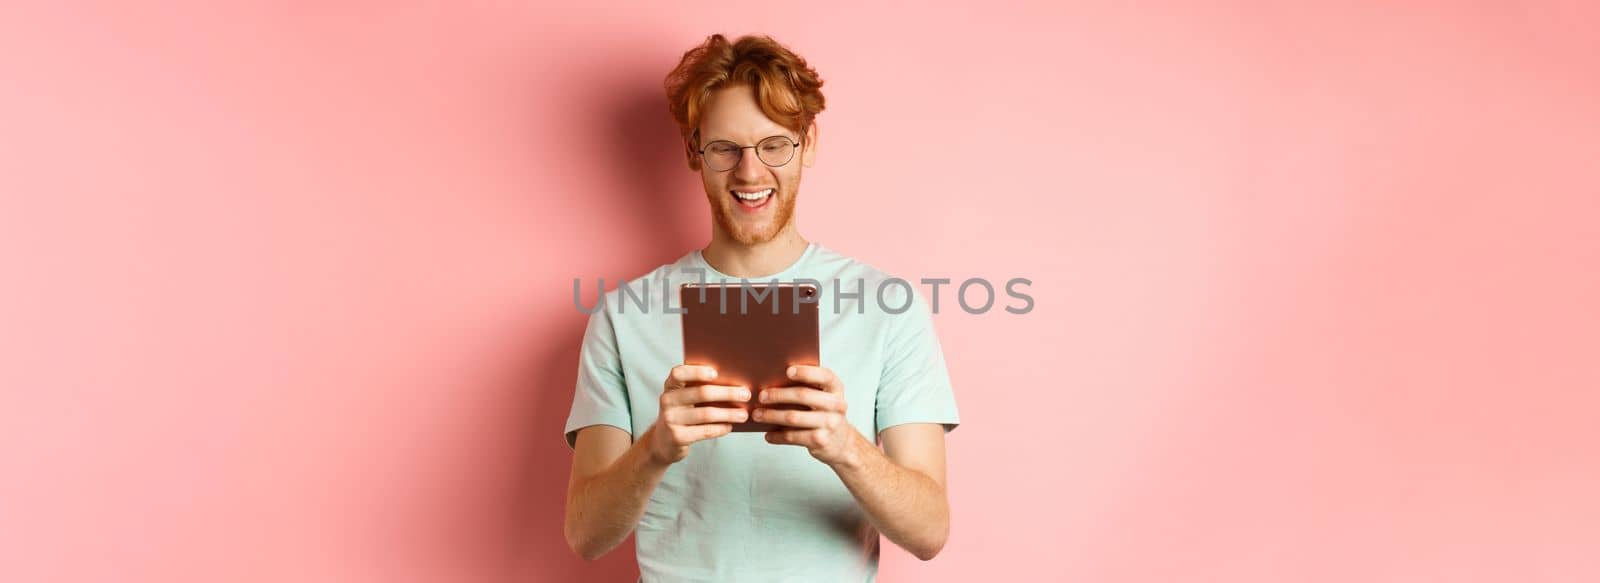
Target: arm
[612, 480]
[901, 488]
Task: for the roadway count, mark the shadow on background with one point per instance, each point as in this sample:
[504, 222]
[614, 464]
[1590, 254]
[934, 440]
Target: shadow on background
[501, 505]
[656, 223]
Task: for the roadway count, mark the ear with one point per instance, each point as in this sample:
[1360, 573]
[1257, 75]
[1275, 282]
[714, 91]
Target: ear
[690, 155]
[808, 151]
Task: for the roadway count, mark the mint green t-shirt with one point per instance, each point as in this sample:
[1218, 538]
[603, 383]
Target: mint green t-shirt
[738, 508]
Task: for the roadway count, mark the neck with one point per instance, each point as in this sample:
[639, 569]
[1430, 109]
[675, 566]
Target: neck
[752, 261]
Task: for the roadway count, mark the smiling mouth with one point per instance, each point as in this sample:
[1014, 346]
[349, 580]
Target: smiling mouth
[753, 199]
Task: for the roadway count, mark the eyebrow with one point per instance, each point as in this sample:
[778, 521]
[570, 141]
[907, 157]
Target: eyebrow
[784, 133]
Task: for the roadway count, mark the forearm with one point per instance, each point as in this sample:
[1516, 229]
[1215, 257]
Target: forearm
[907, 506]
[604, 507]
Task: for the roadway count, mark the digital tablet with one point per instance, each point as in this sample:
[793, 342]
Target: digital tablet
[752, 334]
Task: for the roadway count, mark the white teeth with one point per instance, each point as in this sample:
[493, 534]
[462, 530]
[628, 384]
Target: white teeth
[758, 195]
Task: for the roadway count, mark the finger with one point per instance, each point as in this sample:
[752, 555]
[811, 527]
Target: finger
[684, 374]
[806, 419]
[816, 399]
[707, 431]
[801, 437]
[705, 394]
[703, 415]
[816, 376]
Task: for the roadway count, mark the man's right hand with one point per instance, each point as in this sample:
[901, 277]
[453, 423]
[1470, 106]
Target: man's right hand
[681, 423]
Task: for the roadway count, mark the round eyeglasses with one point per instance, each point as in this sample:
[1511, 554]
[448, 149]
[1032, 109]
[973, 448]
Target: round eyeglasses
[723, 155]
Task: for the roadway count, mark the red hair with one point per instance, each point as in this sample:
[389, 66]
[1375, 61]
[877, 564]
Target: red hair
[787, 90]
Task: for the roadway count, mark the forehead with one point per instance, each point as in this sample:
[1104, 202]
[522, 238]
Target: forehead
[732, 113]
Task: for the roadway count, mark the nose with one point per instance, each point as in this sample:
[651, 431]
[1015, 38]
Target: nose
[750, 167]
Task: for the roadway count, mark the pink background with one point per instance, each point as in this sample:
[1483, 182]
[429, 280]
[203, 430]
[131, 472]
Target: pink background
[288, 285]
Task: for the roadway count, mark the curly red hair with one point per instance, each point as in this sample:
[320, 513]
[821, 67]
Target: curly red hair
[787, 89]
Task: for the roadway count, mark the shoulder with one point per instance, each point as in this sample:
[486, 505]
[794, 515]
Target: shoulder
[882, 292]
[829, 265]
[650, 291]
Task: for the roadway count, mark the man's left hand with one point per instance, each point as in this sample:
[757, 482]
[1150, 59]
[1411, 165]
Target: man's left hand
[823, 430]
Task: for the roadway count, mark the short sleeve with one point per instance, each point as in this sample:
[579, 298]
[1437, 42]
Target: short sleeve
[915, 385]
[601, 396]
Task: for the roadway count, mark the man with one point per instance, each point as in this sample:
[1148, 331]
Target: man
[806, 503]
